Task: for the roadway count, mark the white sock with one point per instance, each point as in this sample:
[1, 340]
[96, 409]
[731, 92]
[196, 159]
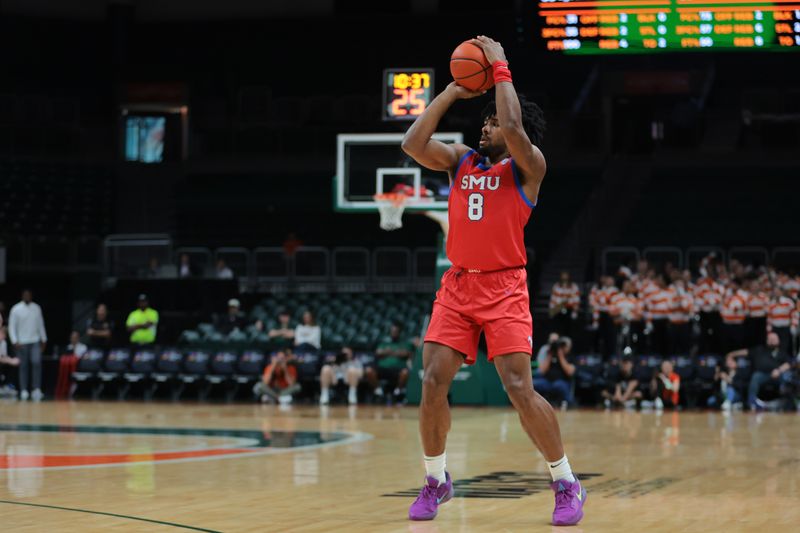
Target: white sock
[352, 395]
[561, 470]
[434, 466]
[324, 396]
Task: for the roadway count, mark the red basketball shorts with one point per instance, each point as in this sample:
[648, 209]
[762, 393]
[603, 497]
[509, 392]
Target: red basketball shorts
[496, 303]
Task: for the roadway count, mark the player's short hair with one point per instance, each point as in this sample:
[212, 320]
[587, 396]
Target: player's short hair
[533, 121]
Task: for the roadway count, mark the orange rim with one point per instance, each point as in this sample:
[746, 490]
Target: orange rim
[397, 199]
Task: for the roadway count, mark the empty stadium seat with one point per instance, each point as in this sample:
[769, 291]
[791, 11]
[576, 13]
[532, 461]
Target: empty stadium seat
[86, 372]
[168, 365]
[116, 364]
[142, 365]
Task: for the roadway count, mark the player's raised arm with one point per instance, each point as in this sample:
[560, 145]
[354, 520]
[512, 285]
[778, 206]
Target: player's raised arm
[418, 142]
[527, 156]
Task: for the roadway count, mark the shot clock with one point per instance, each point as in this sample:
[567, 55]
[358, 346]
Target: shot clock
[406, 92]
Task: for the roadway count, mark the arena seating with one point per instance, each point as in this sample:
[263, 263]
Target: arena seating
[45, 198]
[359, 320]
[707, 201]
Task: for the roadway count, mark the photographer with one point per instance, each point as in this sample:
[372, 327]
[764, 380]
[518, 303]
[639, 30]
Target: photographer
[556, 372]
[344, 368]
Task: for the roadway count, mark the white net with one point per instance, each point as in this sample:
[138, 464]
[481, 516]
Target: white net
[391, 207]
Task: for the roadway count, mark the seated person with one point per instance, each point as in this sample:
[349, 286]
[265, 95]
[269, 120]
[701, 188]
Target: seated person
[279, 381]
[232, 320]
[555, 373]
[393, 361]
[308, 335]
[6, 363]
[283, 334]
[625, 391]
[666, 386]
[541, 355]
[344, 368]
[731, 385]
[771, 366]
[68, 363]
[99, 329]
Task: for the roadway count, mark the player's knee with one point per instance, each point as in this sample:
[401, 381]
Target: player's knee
[431, 383]
[327, 370]
[518, 388]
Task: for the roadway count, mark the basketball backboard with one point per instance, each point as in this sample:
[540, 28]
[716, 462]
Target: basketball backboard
[373, 163]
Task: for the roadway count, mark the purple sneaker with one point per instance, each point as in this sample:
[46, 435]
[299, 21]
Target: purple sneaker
[432, 494]
[570, 498]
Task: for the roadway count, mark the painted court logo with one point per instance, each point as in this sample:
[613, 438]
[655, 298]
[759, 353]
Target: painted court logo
[194, 445]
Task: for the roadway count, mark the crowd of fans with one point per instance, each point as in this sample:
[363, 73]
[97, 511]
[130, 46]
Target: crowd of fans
[726, 312]
[671, 312]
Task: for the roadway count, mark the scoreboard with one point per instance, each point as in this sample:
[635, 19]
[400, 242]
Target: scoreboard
[642, 26]
[407, 92]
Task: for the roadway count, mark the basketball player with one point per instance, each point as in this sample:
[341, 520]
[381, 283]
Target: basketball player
[494, 191]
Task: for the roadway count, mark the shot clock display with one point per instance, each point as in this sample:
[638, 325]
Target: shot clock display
[407, 92]
[644, 26]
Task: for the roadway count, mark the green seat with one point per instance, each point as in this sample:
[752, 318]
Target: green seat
[205, 328]
[189, 336]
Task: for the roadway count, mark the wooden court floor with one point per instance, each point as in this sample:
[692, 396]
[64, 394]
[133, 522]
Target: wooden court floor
[188, 467]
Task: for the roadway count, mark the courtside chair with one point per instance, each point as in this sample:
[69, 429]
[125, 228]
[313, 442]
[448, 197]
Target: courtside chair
[142, 365]
[86, 372]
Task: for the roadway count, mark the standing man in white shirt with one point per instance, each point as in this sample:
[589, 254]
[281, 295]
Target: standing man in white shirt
[26, 329]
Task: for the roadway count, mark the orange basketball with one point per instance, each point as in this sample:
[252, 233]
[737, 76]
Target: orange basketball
[470, 69]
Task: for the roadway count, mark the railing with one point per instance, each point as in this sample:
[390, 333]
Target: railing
[664, 254]
[749, 255]
[614, 257]
[695, 254]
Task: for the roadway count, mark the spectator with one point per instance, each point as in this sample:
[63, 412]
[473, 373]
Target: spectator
[283, 334]
[68, 363]
[393, 361]
[666, 386]
[153, 268]
[708, 297]
[625, 391]
[291, 244]
[29, 337]
[556, 372]
[543, 351]
[100, 329]
[627, 313]
[601, 316]
[308, 335]
[681, 312]
[75, 346]
[4, 357]
[185, 269]
[565, 299]
[782, 318]
[6, 390]
[344, 368]
[223, 272]
[770, 366]
[756, 322]
[730, 384]
[232, 320]
[142, 323]
[657, 308]
[734, 313]
[279, 381]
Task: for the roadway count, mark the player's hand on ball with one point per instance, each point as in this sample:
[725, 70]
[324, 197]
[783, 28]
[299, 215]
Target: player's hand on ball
[462, 93]
[491, 48]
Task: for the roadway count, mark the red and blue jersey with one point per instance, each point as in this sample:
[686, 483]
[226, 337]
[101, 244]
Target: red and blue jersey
[487, 212]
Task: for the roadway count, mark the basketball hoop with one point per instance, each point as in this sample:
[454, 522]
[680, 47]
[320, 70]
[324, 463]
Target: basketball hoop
[391, 207]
